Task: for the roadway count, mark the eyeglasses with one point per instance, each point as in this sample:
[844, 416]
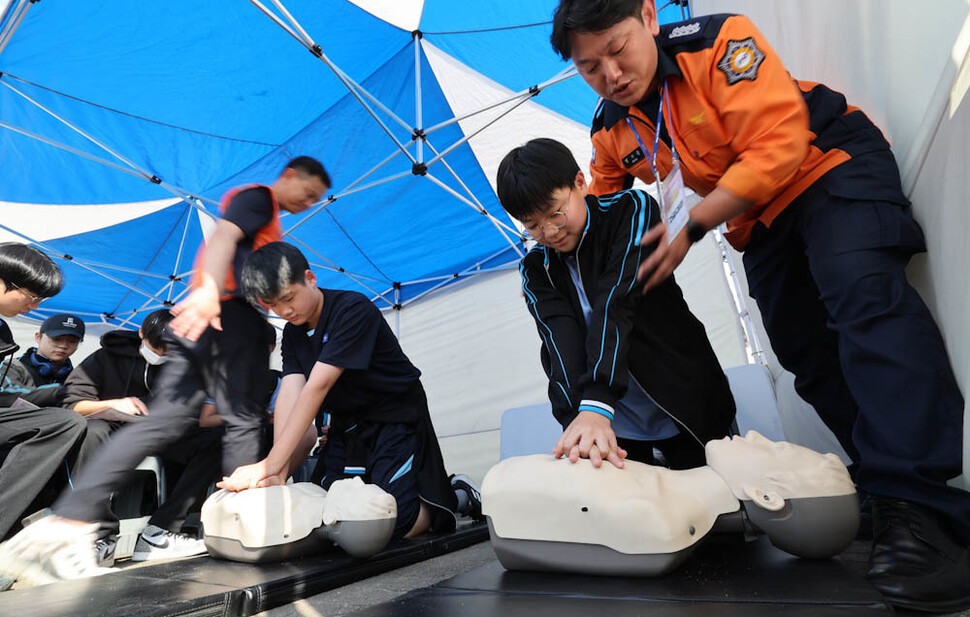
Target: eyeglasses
[556, 222]
[33, 299]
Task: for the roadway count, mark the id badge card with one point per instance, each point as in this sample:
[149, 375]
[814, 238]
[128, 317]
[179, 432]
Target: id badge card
[673, 207]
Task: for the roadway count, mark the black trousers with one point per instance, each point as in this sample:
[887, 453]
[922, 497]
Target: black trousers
[191, 464]
[829, 279]
[230, 365]
[679, 452]
[36, 443]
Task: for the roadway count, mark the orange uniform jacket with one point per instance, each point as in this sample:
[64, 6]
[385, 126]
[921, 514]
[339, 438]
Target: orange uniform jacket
[271, 232]
[738, 121]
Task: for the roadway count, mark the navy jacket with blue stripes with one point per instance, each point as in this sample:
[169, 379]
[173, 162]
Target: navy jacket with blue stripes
[654, 336]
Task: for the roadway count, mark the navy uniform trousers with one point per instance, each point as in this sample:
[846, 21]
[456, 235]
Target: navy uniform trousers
[828, 276]
[230, 365]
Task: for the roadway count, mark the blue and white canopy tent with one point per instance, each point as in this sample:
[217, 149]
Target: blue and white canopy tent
[127, 122]
[121, 124]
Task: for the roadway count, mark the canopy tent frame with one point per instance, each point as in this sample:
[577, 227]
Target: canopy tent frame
[420, 162]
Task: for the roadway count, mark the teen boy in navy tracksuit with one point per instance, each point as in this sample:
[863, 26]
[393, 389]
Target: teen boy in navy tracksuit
[627, 373]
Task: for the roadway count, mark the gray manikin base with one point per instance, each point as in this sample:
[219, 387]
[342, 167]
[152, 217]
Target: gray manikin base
[816, 527]
[358, 538]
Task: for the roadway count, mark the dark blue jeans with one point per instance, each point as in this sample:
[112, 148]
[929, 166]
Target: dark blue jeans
[829, 279]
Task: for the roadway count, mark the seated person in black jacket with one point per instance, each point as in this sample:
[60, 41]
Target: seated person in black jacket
[33, 442]
[628, 372]
[119, 377]
[36, 375]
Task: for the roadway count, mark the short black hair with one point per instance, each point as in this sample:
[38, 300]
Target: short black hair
[29, 269]
[529, 175]
[588, 16]
[153, 327]
[271, 268]
[311, 167]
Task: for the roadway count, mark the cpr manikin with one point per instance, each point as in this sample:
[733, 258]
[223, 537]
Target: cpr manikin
[549, 514]
[283, 522]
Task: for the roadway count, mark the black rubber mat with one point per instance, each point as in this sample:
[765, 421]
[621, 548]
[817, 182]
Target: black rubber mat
[725, 577]
[440, 602]
[204, 586]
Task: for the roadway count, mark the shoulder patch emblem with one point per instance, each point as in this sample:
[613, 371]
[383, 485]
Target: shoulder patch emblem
[684, 30]
[741, 61]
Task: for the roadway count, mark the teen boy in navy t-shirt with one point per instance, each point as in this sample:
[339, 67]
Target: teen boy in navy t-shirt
[340, 356]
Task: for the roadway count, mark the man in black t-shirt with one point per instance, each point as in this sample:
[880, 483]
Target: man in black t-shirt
[340, 356]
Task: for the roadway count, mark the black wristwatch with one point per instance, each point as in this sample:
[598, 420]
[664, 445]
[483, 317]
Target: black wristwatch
[695, 231]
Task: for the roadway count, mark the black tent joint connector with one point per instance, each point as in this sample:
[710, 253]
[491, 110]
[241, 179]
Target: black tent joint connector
[396, 284]
[167, 303]
[340, 270]
[419, 169]
[68, 258]
[155, 180]
[417, 34]
[174, 277]
[397, 307]
[108, 315]
[418, 134]
[316, 50]
[534, 90]
[455, 275]
[331, 199]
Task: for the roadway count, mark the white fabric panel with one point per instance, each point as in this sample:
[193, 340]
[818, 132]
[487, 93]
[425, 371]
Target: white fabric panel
[468, 91]
[478, 351]
[41, 222]
[207, 222]
[405, 14]
[702, 278]
[941, 195]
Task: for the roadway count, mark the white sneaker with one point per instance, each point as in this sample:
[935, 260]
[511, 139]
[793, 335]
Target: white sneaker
[157, 543]
[50, 550]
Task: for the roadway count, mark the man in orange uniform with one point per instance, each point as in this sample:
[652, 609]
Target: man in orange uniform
[810, 192]
[219, 347]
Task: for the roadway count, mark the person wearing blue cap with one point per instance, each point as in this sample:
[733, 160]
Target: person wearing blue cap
[38, 373]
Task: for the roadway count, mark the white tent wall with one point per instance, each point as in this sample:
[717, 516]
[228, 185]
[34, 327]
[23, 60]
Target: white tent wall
[905, 63]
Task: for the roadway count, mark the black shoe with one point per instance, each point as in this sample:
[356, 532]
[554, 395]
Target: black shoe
[461, 482]
[915, 563]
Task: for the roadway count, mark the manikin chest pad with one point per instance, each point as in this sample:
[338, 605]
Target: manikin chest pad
[648, 510]
[240, 524]
[640, 509]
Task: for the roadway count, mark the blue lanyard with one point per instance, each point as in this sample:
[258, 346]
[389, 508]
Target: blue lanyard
[656, 136]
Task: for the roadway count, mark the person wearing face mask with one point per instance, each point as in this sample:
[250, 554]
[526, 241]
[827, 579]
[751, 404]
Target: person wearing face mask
[119, 377]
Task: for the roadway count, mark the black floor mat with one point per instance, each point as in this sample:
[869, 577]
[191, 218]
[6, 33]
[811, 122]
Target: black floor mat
[204, 586]
[725, 577]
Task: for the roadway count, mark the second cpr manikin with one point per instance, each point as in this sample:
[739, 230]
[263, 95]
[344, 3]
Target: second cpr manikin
[549, 514]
